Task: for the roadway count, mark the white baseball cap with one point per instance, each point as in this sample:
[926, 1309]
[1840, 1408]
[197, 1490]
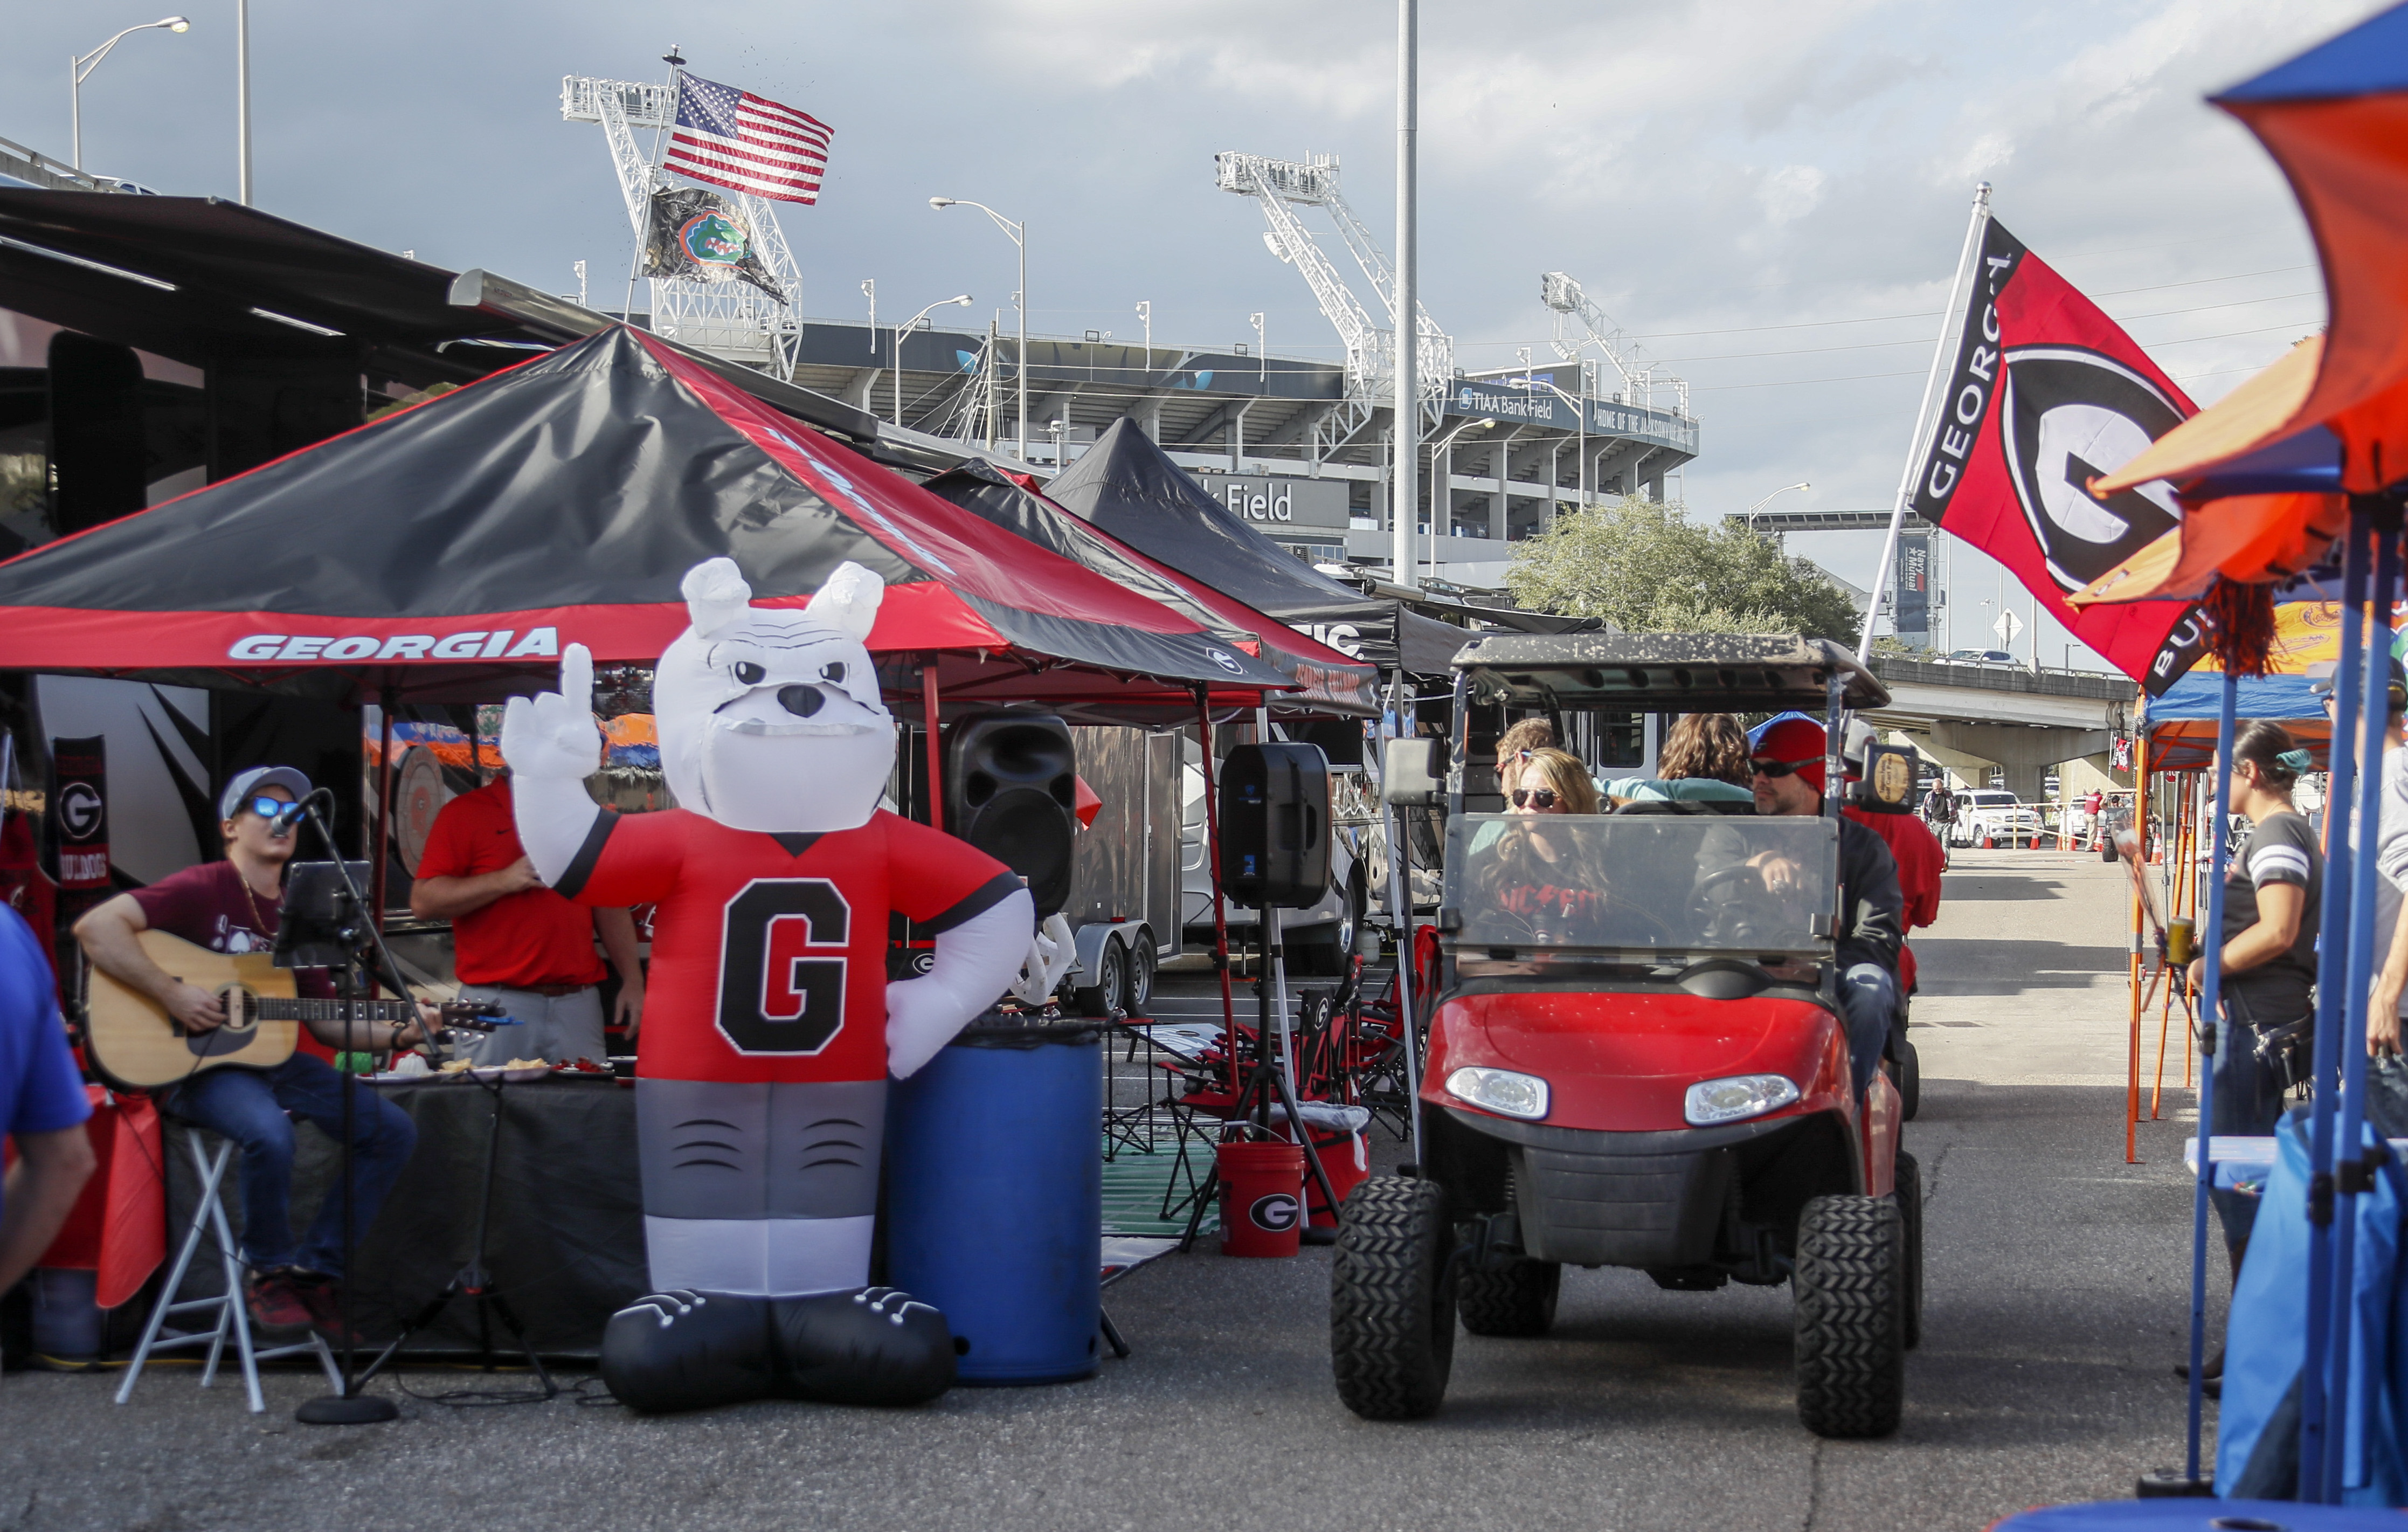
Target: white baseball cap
[245, 783]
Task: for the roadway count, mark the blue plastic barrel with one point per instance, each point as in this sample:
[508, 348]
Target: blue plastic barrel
[994, 1198]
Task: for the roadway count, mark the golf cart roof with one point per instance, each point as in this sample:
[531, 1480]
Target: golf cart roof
[1678, 672]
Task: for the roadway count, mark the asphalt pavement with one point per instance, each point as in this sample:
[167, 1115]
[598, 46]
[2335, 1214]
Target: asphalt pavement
[2055, 1307]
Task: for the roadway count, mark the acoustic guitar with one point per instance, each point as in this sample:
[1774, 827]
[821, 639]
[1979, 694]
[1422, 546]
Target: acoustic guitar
[136, 1045]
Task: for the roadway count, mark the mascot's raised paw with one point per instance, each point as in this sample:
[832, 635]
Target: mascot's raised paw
[685, 1351]
[876, 1346]
[552, 737]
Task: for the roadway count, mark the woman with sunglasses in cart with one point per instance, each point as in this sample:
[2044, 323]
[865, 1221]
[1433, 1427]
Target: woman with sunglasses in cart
[1532, 875]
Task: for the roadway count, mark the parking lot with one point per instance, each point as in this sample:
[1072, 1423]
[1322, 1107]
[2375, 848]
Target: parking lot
[2055, 1305]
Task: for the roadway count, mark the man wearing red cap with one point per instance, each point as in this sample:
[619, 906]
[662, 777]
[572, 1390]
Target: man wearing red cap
[1788, 779]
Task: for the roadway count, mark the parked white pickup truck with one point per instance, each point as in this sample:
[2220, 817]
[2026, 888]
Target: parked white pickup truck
[1994, 817]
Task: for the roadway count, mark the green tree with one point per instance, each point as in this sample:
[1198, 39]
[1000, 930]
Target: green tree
[1644, 566]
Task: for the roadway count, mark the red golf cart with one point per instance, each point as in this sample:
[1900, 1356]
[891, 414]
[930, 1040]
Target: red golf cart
[1645, 1064]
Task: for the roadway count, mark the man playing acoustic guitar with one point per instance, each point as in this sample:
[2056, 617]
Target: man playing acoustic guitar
[234, 907]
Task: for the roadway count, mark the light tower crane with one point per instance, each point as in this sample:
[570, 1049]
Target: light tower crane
[729, 319]
[1281, 186]
[1562, 293]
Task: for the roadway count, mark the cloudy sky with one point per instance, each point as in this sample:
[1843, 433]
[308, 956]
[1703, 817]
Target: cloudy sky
[1770, 193]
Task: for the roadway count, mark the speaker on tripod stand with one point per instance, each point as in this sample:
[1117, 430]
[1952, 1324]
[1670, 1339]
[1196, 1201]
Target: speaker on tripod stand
[1011, 790]
[1275, 825]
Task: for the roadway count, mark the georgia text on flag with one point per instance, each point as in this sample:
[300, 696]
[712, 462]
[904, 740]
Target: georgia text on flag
[2047, 393]
[745, 143]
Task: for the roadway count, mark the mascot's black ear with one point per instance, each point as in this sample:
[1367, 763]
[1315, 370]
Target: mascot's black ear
[716, 597]
[849, 601]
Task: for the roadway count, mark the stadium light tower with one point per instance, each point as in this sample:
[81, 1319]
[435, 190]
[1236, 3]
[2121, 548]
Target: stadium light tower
[80, 68]
[1017, 234]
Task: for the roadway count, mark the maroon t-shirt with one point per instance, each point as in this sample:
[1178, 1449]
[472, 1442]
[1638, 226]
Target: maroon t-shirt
[209, 907]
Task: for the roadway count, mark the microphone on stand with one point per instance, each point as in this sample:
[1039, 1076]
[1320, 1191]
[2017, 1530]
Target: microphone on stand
[292, 813]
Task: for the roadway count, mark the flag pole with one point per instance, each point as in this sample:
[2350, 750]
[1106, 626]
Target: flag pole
[1915, 448]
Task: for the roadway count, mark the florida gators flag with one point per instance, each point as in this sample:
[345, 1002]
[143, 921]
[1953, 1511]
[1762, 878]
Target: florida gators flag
[2046, 394]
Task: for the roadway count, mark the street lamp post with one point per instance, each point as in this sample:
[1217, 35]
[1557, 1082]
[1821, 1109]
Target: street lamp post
[1017, 234]
[869, 291]
[1580, 413]
[1145, 312]
[80, 68]
[1442, 486]
[1768, 500]
[913, 324]
[1262, 351]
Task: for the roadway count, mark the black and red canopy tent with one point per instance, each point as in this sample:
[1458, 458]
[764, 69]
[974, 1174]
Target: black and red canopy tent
[1327, 682]
[449, 552]
[1132, 489]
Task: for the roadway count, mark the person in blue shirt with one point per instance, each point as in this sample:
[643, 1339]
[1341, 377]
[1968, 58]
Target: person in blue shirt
[42, 1104]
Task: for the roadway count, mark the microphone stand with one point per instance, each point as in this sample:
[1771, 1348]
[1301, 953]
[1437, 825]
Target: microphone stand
[347, 1407]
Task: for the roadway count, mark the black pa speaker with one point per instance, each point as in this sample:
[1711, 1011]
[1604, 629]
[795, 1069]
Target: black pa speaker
[1011, 790]
[1275, 825]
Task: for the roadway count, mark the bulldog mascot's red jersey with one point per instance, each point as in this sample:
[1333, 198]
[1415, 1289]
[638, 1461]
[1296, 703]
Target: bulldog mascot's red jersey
[770, 1028]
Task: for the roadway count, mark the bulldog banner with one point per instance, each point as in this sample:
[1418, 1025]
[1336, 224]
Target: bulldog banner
[2048, 392]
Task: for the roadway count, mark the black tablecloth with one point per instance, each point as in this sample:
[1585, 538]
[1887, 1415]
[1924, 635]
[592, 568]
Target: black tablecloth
[566, 1241]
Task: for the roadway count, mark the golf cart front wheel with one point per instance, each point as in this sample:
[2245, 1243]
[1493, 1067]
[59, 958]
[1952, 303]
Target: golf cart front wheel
[1852, 1295]
[1392, 1296]
[1516, 1297]
[1910, 1081]
[1909, 1180]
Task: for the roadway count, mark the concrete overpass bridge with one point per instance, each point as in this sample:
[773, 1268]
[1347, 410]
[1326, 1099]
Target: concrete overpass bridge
[1970, 718]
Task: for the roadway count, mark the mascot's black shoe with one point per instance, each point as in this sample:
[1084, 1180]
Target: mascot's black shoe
[877, 1346]
[683, 1351]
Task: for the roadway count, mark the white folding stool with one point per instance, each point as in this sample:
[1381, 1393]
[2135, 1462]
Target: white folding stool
[233, 1314]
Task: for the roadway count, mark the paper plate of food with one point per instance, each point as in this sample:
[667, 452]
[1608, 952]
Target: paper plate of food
[517, 1071]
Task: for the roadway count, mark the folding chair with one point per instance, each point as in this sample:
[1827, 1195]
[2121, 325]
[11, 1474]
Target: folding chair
[233, 1314]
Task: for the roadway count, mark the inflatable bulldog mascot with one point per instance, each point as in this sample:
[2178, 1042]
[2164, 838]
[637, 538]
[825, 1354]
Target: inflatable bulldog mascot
[771, 1029]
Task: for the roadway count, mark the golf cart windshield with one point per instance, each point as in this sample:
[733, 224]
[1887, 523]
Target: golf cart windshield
[1642, 888]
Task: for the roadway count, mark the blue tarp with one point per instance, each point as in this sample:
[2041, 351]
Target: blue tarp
[2198, 695]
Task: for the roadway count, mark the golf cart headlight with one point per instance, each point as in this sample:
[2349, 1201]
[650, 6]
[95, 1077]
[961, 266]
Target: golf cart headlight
[1740, 1096]
[1502, 1091]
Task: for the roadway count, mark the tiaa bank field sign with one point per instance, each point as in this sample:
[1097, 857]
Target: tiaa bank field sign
[1275, 505]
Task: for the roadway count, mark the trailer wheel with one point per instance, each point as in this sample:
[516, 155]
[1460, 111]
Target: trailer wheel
[1850, 1316]
[1392, 1300]
[1909, 1175]
[1110, 981]
[1138, 992]
[1518, 1299]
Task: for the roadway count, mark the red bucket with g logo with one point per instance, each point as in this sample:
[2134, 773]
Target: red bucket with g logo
[1262, 1198]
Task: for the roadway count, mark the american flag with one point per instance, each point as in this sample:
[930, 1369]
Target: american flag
[747, 143]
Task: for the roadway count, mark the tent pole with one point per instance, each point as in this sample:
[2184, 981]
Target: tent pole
[2140, 871]
[2350, 1181]
[928, 711]
[2332, 979]
[2210, 991]
[1401, 913]
[1220, 902]
[384, 799]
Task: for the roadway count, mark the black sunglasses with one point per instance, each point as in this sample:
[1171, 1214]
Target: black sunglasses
[1781, 768]
[1534, 797]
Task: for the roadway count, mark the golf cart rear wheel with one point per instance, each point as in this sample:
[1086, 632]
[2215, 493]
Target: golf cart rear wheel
[1851, 1286]
[1392, 1300]
[1909, 1176]
[1515, 1298]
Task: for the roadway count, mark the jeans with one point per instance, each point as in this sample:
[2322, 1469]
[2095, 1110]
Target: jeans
[1869, 995]
[248, 1107]
[2248, 1102]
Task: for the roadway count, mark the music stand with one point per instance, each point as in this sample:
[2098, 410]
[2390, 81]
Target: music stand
[324, 921]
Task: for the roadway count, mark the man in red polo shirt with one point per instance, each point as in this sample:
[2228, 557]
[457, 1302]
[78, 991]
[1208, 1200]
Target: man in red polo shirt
[519, 944]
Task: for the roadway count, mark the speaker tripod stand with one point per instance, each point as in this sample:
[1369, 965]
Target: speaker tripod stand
[476, 1283]
[1267, 1075]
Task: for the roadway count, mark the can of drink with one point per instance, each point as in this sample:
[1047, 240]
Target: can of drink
[2181, 943]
